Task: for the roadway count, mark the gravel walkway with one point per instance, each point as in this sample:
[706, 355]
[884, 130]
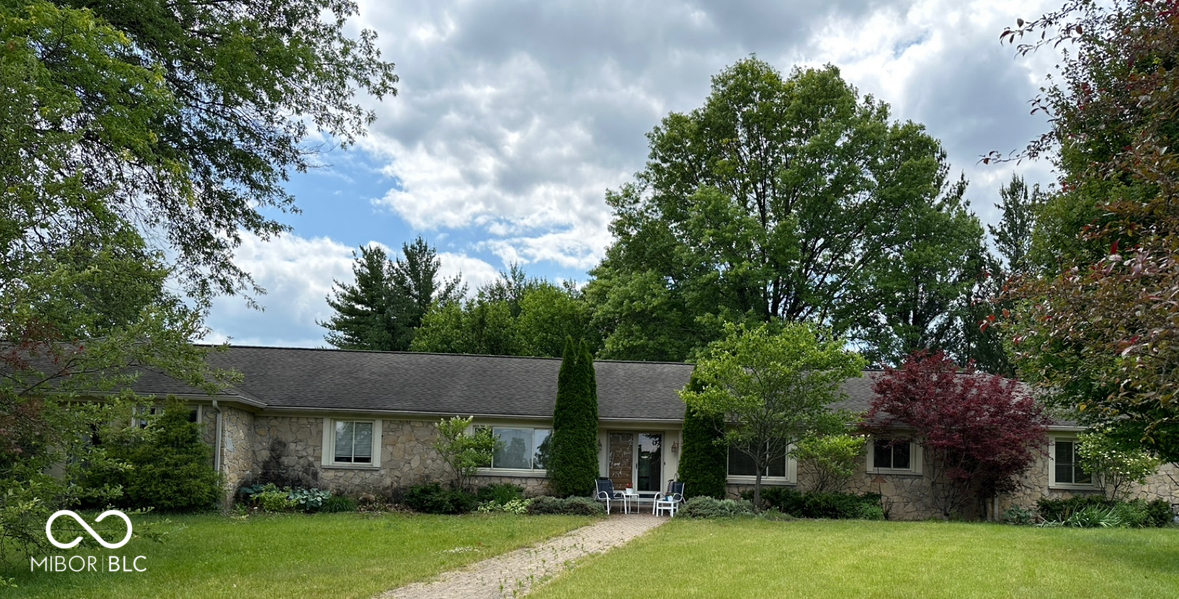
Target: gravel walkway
[513, 574]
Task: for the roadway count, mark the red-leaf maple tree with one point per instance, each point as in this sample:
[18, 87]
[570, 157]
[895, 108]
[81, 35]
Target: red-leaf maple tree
[978, 431]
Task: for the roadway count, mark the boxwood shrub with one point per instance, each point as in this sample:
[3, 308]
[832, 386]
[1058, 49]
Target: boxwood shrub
[434, 499]
[821, 505]
[572, 506]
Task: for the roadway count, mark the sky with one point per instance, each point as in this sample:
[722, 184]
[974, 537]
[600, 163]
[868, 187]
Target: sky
[512, 120]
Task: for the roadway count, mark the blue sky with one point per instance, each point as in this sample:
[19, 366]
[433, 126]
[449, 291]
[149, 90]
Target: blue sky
[514, 118]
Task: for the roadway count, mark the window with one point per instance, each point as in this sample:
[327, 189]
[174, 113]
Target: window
[895, 456]
[352, 443]
[521, 448]
[1066, 468]
[743, 469]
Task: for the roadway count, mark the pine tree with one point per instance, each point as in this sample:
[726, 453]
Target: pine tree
[704, 461]
[383, 309]
[573, 462]
[365, 316]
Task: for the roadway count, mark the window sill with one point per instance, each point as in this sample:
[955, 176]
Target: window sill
[893, 471]
[350, 467]
[765, 480]
[1069, 487]
[518, 473]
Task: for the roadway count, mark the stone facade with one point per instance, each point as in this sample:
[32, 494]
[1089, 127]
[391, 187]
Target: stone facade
[236, 462]
[288, 450]
[910, 496]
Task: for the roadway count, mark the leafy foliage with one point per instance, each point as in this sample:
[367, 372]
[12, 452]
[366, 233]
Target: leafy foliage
[513, 315]
[464, 453]
[709, 507]
[182, 119]
[384, 308]
[165, 465]
[773, 386]
[704, 456]
[978, 431]
[1111, 463]
[1093, 511]
[1098, 330]
[779, 199]
[432, 498]
[570, 506]
[827, 462]
[817, 504]
[573, 457]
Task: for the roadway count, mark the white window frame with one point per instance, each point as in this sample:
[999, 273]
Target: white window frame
[1093, 483]
[916, 458]
[517, 472]
[791, 477]
[329, 444]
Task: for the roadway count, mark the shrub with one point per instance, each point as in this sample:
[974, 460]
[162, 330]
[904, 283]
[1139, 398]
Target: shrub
[1159, 514]
[572, 506]
[500, 493]
[829, 461]
[821, 505]
[309, 500]
[434, 499]
[710, 507]
[704, 460]
[1118, 467]
[168, 464]
[1020, 516]
[464, 453]
[270, 498]
[1089, 511]
[338, 503]
[512, 506]
[1061, 510]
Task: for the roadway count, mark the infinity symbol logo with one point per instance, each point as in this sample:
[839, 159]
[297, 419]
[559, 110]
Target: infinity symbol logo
[74, 543]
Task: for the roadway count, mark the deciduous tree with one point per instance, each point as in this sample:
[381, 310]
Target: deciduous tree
[773, 386]
[978, 431]
[775, 200]
[1098, 331]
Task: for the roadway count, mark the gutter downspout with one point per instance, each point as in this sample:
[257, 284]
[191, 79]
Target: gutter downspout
[217, 439]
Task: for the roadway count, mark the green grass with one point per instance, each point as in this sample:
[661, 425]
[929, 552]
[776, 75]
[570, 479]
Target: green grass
[818, 558]
[323, 555]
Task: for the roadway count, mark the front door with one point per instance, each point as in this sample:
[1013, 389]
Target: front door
[621, 459]
[636, 459]
[649, 465]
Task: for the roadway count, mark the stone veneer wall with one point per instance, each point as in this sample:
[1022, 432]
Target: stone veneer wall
[910, 496]
[236, 460]
[289, 451]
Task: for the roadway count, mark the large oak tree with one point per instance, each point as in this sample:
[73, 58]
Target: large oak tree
[781, 198]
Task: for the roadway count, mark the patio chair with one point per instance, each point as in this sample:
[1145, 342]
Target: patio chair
[669, 502]
[607, 493]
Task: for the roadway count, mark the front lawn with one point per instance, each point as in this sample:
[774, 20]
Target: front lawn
[322, 555]
[828, 558]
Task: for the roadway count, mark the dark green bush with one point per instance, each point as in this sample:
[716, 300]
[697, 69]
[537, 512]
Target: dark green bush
[500, 493]
[820, 505]
[709, 507]
[1060, 510]
[1088, 511]
[338, 503]
[434, 499]
[1159, 514]
[571, 506]
[704, 460]
[169, 467]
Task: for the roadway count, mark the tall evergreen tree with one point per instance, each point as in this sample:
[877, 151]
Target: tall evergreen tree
[704, 458]
[365, 317]
[573, 458]
[384, 308]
